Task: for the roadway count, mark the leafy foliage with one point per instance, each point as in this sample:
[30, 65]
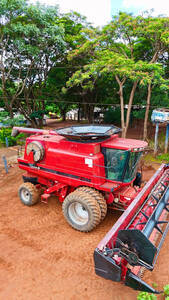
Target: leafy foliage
[140, 114]
[146, 296]
[166, 287]
[37, 114]
[3, 115]
[58, 60]
[128, 50]
[31, 40]
[113, 116]
[6, 133]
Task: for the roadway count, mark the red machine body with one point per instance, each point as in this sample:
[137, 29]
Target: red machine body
[77, 164]
[88, 168]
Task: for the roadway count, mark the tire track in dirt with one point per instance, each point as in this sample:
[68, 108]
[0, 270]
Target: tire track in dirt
[5, 264]
[39, 221]
[21, 239]
[42, 257]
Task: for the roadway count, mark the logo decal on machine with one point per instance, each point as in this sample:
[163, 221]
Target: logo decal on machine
[89, 162]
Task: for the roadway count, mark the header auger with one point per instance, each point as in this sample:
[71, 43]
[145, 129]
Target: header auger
[90, 168]
[132, 242]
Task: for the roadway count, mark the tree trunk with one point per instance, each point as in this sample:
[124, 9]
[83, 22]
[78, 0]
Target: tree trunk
[63, 112]
[32, 122]
[147, 112]
[40, 123]
[79, 113]
[10, 112]
[8, 107]
[129, 107]
[85, 111]
[121, 83]
[122, 110]
[91, 114]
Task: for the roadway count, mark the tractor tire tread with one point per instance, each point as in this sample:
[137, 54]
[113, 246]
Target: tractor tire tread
[85, 199]
[99, 198]
[32, 190]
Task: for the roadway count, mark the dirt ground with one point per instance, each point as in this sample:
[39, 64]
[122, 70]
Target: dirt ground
[42, 257]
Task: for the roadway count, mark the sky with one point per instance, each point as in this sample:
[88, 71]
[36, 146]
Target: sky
[99, 12]
[137, 6]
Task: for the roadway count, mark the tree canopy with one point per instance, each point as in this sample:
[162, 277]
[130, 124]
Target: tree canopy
[47, 57]
[128, 49]
[31, 42]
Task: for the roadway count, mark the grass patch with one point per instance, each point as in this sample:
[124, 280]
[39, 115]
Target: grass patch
[161, 158]
[164, 157]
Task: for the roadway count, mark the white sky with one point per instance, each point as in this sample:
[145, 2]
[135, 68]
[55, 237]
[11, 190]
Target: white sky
[159, 6]
[99, 12]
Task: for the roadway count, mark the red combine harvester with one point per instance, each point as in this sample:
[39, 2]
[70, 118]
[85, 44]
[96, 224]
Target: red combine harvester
[89, 168]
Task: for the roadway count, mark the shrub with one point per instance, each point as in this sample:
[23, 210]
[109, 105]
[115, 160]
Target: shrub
[8, 122]
[6, 133]
[113, 116]
[37, 114]
[166, 291]
[3, 115]
[146, 296]
[140, 114]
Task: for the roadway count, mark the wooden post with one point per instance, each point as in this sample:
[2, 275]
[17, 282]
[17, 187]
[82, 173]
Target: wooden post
[156, 139]
[166, 138]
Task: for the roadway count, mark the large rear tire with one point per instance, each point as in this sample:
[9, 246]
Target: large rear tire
[81, 210]
[99, 198]
[28, 194]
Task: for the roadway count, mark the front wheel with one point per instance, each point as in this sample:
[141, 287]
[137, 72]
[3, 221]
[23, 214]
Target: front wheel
[81, 211]
[28, 194]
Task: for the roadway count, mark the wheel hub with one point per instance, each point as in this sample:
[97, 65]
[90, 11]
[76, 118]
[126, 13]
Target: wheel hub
[78, 213]
[25, 195]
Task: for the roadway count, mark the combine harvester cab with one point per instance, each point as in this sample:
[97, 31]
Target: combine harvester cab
[134, 242]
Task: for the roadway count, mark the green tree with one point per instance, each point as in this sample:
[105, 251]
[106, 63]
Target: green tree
[76, 32]
[118, 51]
[31, 41]
[153, 34]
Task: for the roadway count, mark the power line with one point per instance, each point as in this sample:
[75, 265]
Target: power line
[57, 67]
[139, 106]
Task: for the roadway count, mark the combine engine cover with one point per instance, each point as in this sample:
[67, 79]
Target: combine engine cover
[132, 242]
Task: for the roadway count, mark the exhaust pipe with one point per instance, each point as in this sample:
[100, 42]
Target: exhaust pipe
[17, 130]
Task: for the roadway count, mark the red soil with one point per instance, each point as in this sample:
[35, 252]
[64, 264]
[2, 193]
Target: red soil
[42, 257]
